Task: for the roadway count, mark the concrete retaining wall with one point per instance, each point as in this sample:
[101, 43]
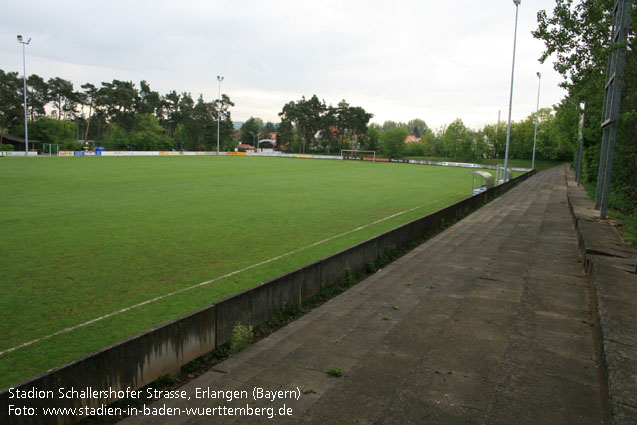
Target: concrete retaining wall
[610, 267]
[140, 360]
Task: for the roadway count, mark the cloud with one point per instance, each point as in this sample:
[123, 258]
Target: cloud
[399, 60]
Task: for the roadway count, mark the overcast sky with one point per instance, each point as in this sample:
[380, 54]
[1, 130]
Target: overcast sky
[398, 59]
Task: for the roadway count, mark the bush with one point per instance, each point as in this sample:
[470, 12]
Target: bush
[415, 149]
[241, 338]
[6, 147]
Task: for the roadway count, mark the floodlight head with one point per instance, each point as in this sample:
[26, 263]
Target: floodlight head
[517, 2]
[539, 75]
[219, 78]
[19, 38]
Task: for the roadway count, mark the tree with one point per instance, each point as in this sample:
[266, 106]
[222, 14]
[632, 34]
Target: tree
[417, 127]
[286, 135]
[415, 149]
[269, 127]
[495, 138]
[201, 124]
[356, 122]
[11, 108]
[226, 129]
[118, 99]
[148, 135]
[373, 138]
[63, 97]
[331, 135]
[170, 109]
[429, 142]
[37, 95]
[305, 115]
[577, 35]
[88, 99]
[250, 131]
[457, 142]
[54, 131]
[392, 142]
[148, 101]
[388, 125]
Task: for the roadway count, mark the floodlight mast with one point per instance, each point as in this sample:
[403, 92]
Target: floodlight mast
[220, 79]
[537, 111]
[506, 152]
[24, 83]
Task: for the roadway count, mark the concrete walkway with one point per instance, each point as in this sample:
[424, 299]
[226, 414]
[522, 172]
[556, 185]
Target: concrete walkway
[488, 322]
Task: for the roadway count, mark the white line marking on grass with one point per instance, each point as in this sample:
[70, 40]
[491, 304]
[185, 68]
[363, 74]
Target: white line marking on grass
[179, 291]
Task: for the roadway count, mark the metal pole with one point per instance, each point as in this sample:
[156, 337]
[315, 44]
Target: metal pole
[614, 83]
[220, 79]
[537, 112]
[506, 151]
[495, 148]
[580, 137]
[580, 148]
[24, 81]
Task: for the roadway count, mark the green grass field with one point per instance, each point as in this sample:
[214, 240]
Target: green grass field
[86, 237]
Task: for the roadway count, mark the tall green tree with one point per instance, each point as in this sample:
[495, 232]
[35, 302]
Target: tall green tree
[392, 142]
[577, 36]
[226, 126]
[118, 98]
[171, 115]
[63, 97]
[251, 130]
[88, 99]
[54, 131]
[286, 135]
[429, 142]
[305, 115]
[357, 120]
[373, 138]
[457, 141]
[417, 127]
[148, 135]
[11, 108]
[148, 101]
[37, 95]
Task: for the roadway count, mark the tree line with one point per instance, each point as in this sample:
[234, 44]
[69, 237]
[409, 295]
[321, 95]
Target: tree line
[121, 116]
[577, 38]
[312, 126]
[117, 114]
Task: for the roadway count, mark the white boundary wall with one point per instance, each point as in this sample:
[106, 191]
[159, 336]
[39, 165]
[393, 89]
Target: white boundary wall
[13, 153]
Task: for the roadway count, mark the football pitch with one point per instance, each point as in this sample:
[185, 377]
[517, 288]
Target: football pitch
[96, 250]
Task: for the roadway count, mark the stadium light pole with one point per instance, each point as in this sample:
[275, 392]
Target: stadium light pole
[254, 139]
[24, 82]
[220, 79]
[506, 151]
[537, 111]
[580, 137]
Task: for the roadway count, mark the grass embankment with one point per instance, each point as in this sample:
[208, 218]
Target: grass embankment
[620, 211]
[86, 237]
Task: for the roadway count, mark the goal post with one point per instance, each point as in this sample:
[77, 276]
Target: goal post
[358, 155]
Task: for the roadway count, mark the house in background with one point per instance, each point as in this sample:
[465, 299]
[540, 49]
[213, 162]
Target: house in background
[244, 148]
